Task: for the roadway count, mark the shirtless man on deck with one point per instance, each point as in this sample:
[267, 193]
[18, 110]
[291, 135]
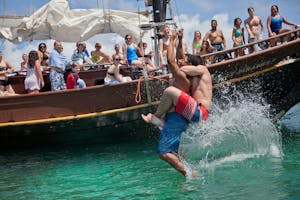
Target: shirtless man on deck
[216, 38]
[188, 101]
[252, 24]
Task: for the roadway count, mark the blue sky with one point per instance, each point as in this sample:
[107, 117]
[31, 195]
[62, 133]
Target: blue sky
[190, 14]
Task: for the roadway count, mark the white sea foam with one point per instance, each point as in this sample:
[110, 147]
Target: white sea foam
[237, 131]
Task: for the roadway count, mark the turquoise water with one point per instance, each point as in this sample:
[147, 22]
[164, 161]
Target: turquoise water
[238, 154]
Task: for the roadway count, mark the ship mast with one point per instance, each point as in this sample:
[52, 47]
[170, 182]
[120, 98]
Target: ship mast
[159, 11]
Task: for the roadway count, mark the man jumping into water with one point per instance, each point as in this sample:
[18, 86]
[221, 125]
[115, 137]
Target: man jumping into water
[188, 101]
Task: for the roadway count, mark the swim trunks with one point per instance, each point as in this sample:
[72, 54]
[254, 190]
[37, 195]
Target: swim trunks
[190, 109]
[218, 47]
[174, 125]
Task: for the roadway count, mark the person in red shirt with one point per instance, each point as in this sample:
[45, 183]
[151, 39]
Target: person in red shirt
[73, 79]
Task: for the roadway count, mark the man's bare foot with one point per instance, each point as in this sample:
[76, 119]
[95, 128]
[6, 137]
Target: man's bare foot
[194, 174]
[150, 118]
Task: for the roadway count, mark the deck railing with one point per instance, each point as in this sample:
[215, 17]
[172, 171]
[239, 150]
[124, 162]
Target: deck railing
[247, 48]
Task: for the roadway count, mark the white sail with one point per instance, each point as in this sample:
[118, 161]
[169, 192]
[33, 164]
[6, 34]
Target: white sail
[56, 21]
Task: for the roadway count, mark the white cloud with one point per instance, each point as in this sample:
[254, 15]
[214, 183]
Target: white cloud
[193, 23]
[204, 4]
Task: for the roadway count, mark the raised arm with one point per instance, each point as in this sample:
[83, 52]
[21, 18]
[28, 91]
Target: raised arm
[124, 50]
[160, 51]
[180, 77]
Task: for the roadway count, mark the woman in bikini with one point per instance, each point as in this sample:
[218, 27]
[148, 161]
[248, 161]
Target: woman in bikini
[238, 36]
[197, 43]
[43, 54]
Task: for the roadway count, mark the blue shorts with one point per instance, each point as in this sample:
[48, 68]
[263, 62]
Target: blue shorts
[218, 47]
[220, 57]
[170, 135]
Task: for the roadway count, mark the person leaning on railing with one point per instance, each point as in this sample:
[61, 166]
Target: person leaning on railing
[274, 24]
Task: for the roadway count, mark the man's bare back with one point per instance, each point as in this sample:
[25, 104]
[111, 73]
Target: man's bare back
[201, 85]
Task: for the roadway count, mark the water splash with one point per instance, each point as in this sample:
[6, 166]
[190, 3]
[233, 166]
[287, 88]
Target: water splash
[238, 128]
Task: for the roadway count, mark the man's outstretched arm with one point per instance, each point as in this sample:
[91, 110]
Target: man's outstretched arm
[180, 77]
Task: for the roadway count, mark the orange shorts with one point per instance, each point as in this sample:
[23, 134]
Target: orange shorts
[190, 109]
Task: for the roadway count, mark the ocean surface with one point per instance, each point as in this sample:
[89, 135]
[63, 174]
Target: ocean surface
[238, 154]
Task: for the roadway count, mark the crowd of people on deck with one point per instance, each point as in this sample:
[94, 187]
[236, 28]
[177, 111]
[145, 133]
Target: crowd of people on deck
[64, 72]
[189, 99]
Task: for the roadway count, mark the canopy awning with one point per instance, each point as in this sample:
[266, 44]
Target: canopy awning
[56, 21]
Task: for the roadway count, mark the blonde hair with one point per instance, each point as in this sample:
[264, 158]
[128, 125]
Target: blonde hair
[195, 35]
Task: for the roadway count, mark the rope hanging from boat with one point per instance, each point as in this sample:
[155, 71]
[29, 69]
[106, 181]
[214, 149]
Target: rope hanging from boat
[145, 73]
[138, 97]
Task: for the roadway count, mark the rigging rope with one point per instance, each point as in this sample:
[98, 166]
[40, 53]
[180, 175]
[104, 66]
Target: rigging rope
[145, 73]
[138, 97]
[179, 21]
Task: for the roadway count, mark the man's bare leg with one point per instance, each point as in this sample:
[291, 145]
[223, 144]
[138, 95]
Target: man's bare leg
[167, 103]
[150, 118]
[174, 161]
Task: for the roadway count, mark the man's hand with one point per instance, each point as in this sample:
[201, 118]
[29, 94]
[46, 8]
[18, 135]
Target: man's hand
[180, 33]
[173, 35]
